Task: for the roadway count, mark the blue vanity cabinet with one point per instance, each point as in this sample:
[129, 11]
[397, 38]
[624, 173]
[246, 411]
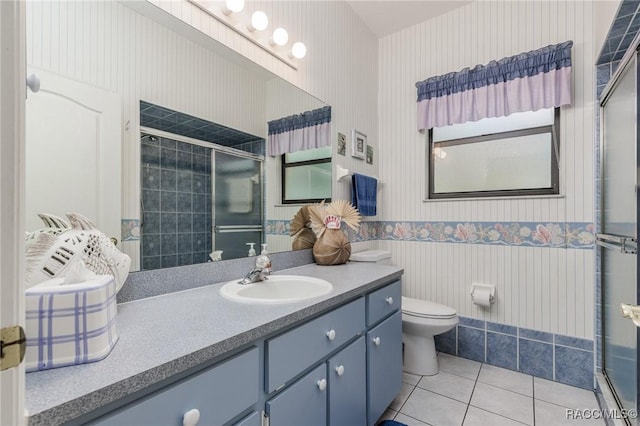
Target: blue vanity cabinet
[347, 374]
[290, 353]
[254, 419]
[219, 394]
[341, 368]
[384, 365]
[383, 302]
[302, 403]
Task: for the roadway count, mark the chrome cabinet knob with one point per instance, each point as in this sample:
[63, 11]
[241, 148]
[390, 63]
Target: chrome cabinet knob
[340, 370]
[322, 384]
[389, 300]
[376, 341]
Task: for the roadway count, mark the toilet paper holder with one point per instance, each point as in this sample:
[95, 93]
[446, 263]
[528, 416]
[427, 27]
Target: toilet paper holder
[477, 288]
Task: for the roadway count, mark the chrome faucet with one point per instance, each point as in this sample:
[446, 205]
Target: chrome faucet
[259, 272]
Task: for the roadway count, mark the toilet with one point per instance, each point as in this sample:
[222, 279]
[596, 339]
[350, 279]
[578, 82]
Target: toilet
[421, 321]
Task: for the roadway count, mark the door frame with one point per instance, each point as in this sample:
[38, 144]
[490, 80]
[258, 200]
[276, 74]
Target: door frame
[12, 177]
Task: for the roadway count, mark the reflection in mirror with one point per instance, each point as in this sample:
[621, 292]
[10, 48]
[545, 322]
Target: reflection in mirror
[186, 163]
[132, 52]
[306, 176]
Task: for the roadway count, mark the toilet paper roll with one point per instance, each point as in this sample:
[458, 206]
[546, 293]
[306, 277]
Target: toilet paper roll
[482, 297]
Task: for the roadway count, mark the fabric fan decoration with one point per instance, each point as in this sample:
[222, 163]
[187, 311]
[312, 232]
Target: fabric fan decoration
[332, 246]
[300, 230]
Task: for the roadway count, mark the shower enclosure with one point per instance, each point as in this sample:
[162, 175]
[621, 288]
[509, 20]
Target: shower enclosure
[198, 198]
[617, 239]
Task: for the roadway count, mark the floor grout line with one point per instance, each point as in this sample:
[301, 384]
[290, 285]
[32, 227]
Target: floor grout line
[533, 396]
[471, 396]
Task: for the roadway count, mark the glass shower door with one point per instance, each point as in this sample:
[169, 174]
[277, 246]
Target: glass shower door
[618, 238]
[237, 209]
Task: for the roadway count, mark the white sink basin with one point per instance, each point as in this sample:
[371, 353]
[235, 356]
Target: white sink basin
[276, 289]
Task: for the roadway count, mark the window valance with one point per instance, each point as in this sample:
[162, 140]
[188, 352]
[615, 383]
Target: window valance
[299, 132]
[526, 82]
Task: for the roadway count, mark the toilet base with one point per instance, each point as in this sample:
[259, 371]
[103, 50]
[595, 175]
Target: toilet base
[420, 355]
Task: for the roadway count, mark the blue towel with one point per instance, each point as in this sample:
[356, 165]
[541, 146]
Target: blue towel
[364, 192]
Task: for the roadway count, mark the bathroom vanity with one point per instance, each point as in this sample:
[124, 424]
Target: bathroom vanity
[195, 358]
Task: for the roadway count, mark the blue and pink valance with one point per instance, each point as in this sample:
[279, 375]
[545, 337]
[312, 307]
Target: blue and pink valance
[299, 132]
[526, 82]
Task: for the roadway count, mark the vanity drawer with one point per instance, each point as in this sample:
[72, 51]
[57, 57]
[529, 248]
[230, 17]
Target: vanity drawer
[292, 352]
[383, 302]
[219, 393]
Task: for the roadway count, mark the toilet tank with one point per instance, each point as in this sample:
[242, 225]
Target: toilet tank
[381, 257]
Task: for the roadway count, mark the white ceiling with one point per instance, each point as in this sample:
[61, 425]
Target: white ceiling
[384, 17]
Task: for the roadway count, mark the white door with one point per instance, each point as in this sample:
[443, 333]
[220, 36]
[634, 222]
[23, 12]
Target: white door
[73, 152]
[12, 94]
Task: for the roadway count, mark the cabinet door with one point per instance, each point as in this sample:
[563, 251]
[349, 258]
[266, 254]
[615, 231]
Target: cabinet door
[303, 403]
[384, 365]
[254, 419]
[347, 386]
[296, 350]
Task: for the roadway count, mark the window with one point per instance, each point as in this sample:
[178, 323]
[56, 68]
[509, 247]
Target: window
[495, 157]
[306, 176]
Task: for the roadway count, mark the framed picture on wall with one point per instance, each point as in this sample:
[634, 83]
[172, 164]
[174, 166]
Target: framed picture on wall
[342, 144]
[358, 144]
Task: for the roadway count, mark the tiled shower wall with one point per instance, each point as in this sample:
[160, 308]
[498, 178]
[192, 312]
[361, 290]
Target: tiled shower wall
[176, 202]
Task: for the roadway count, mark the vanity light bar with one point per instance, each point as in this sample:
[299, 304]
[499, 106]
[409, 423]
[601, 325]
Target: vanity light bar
[250, 28]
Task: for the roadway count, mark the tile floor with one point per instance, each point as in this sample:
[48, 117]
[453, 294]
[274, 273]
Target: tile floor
[469, 393]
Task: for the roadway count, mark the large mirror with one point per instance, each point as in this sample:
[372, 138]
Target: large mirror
[102, 66]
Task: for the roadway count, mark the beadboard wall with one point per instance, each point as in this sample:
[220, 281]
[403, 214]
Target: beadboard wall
[109, 45]
[547, 289]
[370, 85]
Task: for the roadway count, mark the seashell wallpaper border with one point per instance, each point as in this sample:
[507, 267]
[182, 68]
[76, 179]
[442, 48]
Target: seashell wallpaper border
[575, 235]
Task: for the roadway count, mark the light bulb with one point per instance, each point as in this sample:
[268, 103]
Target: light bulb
[298, 50]
[280, 36]
[259, 21]
[232, 6]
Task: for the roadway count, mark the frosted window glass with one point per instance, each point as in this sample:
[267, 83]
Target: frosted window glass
[487, 126]
[308, 182]
[512, 163]
[308, 155]
[619, 159]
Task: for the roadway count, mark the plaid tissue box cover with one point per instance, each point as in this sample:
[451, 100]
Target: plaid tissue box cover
[68, 324]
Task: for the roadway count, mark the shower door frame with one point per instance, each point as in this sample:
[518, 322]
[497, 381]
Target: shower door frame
[631, 55]
[237, 228]
[219, 148]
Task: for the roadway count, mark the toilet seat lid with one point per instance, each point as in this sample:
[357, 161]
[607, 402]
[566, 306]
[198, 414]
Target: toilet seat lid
[426, 309]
